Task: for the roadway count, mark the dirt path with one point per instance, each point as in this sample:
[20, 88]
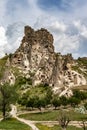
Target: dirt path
[13, 113]
[30, 123]
[72, 123]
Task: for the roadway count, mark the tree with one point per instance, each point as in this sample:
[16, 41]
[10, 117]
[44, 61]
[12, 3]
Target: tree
[80, 95]
[30, 102]
[56, 102]
[23, 99]
[74, 101]
[38, 96]
[49, 94]
[8, 96]
[63, 100]
[64, 121]
[36, 102]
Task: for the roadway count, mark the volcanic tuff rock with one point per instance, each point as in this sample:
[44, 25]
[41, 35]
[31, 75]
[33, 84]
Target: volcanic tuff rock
[36, 58]
[36, 55]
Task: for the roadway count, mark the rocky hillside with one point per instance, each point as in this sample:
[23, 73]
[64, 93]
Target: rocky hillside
[36, 59]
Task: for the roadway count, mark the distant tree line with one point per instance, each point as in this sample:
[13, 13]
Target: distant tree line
[44, 97]
[40, 96]
[37, 97]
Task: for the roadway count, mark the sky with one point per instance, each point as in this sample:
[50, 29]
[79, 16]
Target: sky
[65, 19]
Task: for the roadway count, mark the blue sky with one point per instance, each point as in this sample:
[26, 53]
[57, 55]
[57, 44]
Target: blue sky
[65, 19]
[54, 4]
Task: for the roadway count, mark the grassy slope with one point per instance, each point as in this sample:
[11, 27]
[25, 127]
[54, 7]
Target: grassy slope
[48, 116]
[2, 65]
[81, 64]
[13, 124]
[45, 127]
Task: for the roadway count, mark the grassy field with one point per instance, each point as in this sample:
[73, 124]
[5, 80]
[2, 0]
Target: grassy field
[55, 127]
[0, 114]
[13, 124]
[54, 115]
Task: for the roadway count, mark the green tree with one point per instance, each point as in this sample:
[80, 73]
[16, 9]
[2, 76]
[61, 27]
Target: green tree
[36, 102]
[38, 96]
[40, 102]
[56, 102]
[30, 102]
[8, 96]
[73, 101]
[79, 94]
[23, 99]
[49, 95]
[63, 100]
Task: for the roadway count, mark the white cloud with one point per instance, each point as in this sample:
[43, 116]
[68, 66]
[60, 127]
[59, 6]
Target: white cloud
[10, 42]
[68, 28]
[11, 48]
[66, 44]
[14, 36]
[3, 41]
[58, 26]
[2, 11]
[81, 28]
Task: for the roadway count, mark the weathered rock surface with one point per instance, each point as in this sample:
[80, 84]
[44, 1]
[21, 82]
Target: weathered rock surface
[36, 58]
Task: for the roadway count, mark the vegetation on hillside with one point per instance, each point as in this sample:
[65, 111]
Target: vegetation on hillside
[2, 65]
[8, 95]
[38, 96]
[41, 96]
[81, 66]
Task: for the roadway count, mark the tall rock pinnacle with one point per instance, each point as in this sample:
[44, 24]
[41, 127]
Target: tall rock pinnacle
[36, 58]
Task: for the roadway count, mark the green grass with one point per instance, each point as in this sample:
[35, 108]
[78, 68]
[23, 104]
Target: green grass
[53, 115]
[13, 124]
[55, 127]
[2, 65]
[82, 63]
[0, 114]
[16, 71]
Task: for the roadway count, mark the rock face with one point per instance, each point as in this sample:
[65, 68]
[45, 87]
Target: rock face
[36, 55]
[36, 58]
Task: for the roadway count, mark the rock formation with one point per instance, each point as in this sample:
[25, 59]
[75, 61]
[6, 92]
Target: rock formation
[36, 58]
